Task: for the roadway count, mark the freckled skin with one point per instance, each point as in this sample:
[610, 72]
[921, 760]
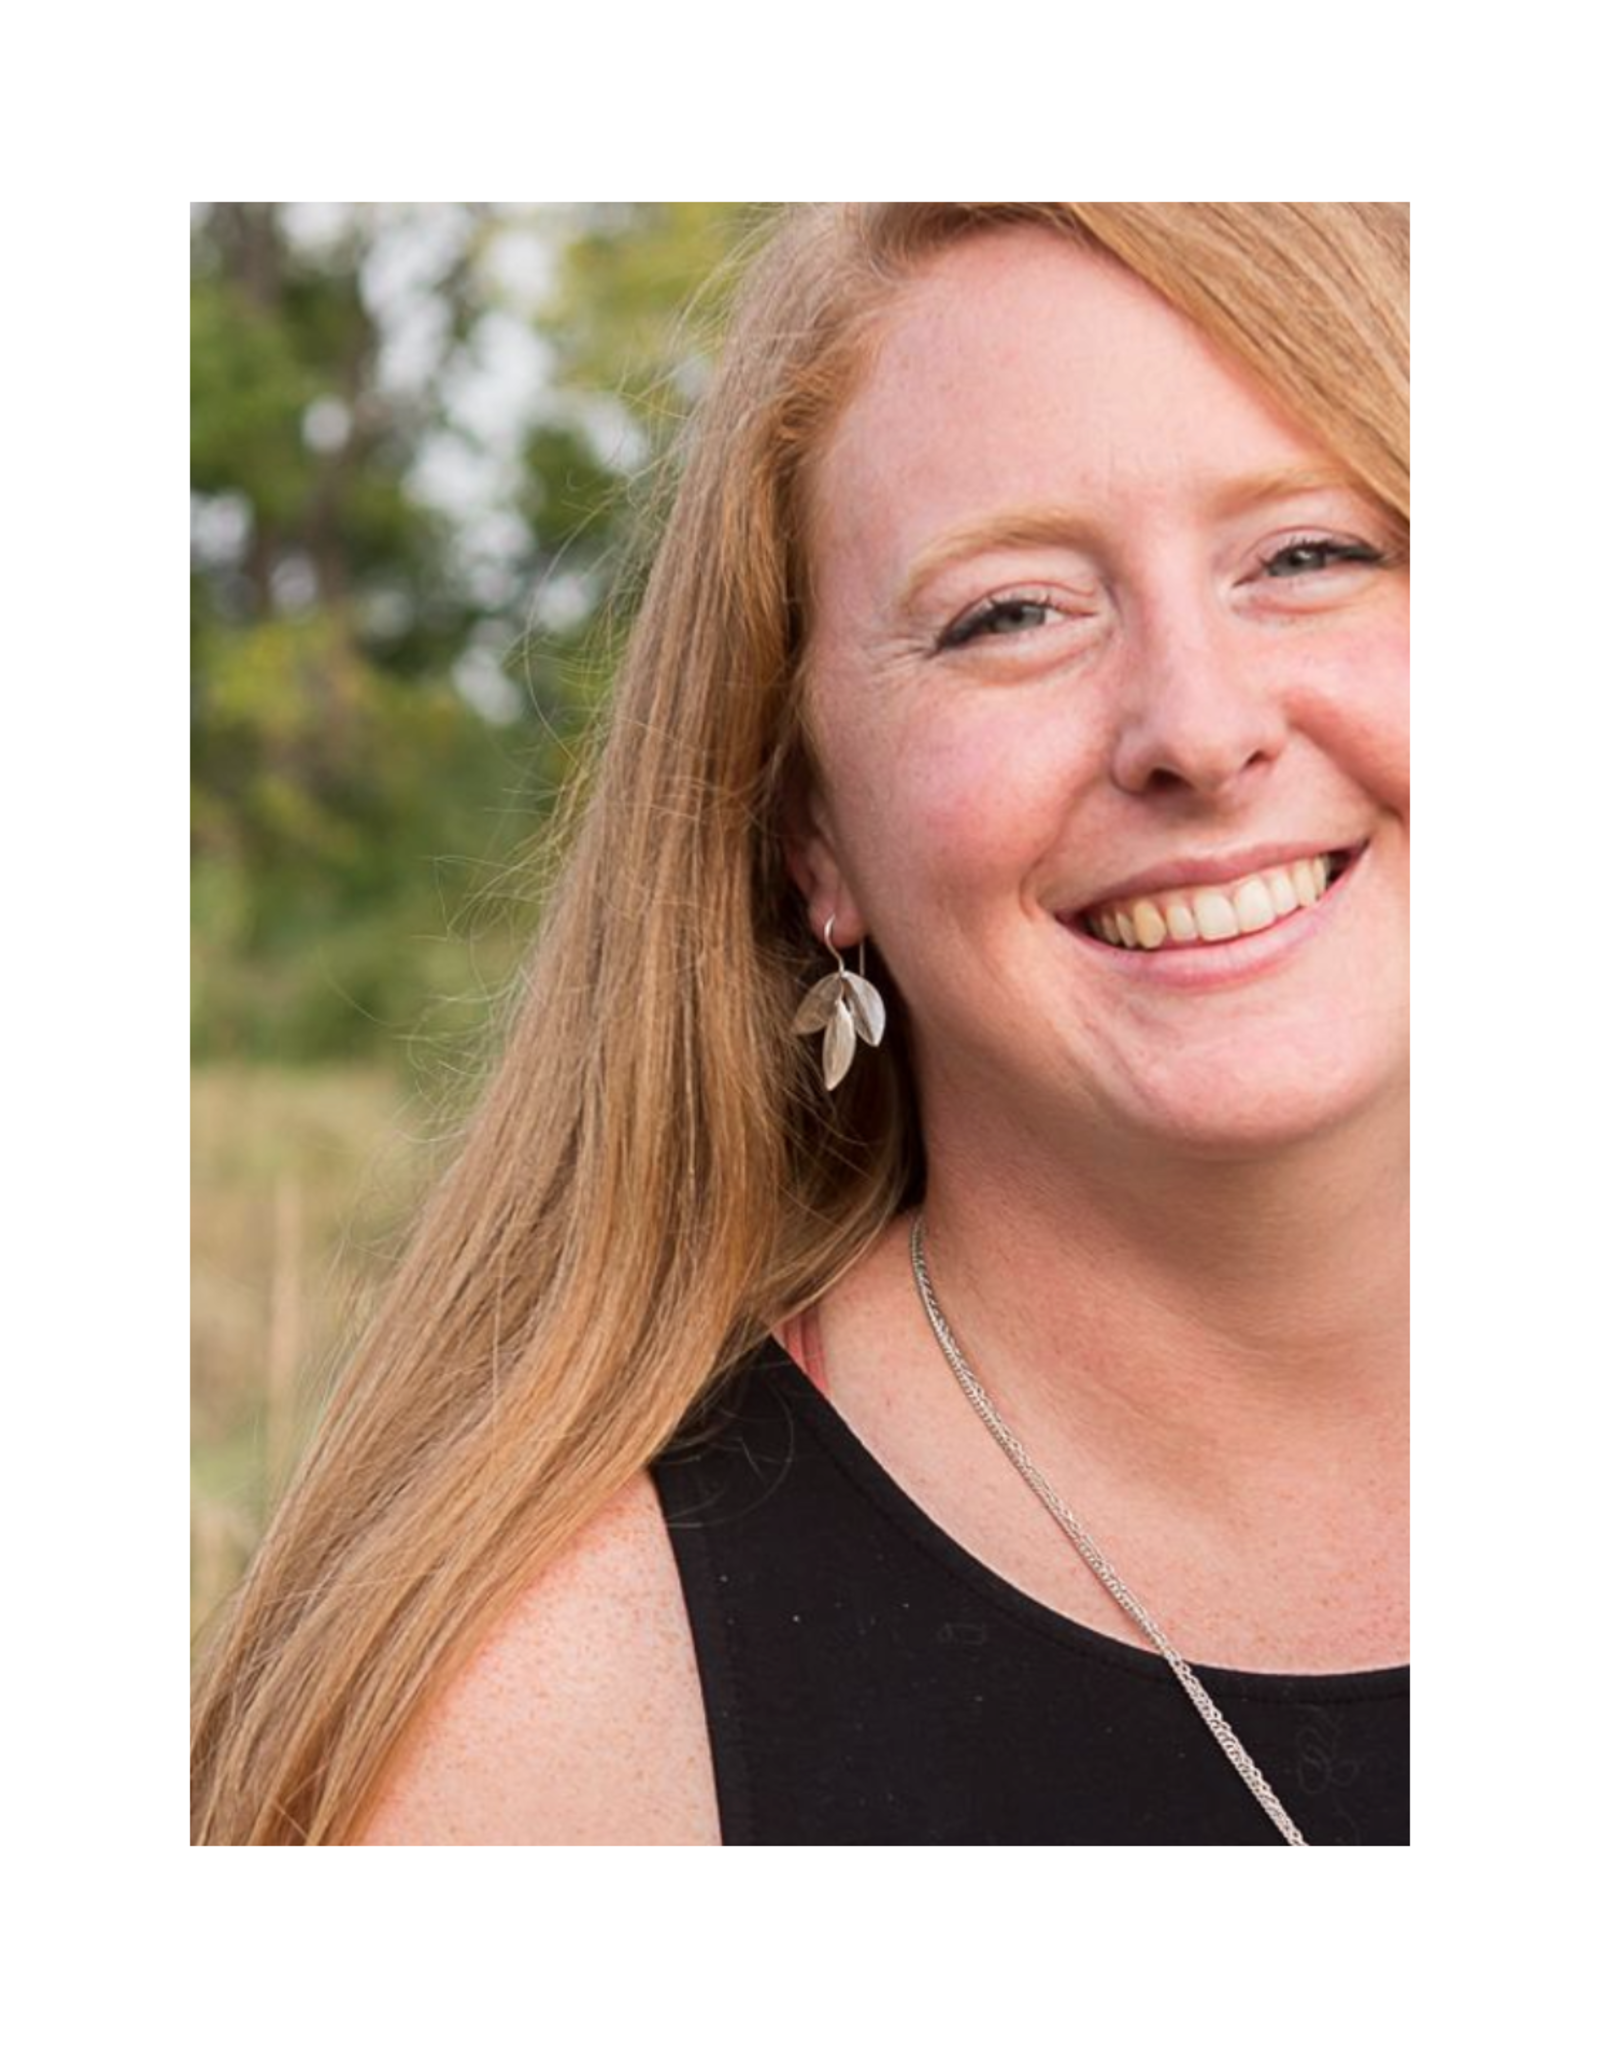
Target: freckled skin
[579, 1720]
[1179, 702]
[1229, 1416]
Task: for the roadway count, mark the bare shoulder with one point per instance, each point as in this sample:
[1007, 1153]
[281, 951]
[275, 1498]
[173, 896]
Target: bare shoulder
[580, 1720]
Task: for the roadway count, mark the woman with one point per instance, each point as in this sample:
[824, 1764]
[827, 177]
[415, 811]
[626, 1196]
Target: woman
[1028, 637]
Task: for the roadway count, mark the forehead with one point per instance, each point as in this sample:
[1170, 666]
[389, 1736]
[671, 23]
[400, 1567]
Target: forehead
[1019, 368]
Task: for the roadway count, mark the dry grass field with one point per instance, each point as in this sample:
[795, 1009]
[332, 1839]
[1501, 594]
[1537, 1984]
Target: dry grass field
[301, 1182]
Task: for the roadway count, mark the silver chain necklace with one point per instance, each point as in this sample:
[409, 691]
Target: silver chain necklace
[1092, 1556]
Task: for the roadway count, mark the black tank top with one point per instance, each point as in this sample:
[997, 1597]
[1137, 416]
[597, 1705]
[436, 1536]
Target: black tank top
[867, 1680]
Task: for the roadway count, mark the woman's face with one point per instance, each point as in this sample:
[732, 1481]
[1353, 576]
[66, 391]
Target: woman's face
[1107, 657]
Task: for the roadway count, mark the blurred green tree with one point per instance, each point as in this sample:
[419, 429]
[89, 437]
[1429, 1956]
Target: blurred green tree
[419, 436]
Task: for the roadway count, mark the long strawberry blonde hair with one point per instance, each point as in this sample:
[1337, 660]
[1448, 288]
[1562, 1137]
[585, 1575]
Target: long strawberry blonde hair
[653, 1176]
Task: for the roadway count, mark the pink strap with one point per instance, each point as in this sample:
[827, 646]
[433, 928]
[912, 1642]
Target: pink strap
[801, 1337]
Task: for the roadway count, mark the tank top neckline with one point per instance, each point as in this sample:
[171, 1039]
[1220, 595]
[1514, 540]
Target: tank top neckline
[886, 1492]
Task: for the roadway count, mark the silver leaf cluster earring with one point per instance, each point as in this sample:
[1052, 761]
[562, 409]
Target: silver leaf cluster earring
[846, 1007]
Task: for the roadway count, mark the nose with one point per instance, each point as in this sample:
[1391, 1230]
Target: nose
[1197, 709]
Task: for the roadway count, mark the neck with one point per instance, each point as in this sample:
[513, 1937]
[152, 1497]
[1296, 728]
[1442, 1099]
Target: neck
[1225, 1315]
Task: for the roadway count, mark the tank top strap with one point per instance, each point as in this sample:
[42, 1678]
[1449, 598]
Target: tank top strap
[801, 1338]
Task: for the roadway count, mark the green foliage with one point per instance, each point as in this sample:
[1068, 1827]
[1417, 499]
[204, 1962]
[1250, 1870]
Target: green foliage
[640, 299]
[357, 818]
[248, 393]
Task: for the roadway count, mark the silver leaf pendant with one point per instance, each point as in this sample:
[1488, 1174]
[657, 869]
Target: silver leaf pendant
[839, 1047]
[818, 1005]
[866, 1007]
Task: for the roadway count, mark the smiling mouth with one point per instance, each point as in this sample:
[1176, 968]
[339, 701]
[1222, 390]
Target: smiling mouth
[1210, 915]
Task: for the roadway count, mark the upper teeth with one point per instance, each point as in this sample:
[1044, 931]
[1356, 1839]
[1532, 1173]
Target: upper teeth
[1180, 916]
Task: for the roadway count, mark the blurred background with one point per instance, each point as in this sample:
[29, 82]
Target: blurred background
[422, 440]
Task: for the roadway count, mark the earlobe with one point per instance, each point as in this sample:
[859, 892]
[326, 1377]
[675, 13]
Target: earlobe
[810, 853]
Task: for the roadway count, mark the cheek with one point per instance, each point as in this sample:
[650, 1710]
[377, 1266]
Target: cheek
[957, 806]
[1356, 707]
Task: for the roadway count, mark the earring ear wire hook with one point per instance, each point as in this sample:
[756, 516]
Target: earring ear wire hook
[861, 949]
[843, 1006]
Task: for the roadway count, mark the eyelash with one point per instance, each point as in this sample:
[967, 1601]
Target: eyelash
[972, 625]
[1339, 550]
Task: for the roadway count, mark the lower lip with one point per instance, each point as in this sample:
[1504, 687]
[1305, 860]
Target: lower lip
[1224, 962]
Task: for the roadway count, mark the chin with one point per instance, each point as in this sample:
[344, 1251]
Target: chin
[1253, 1109]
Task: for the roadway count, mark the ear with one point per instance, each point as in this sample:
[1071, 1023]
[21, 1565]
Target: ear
[812, 856]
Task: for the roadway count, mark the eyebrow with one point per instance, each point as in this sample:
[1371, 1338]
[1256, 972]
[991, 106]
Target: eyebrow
[1061, 526]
